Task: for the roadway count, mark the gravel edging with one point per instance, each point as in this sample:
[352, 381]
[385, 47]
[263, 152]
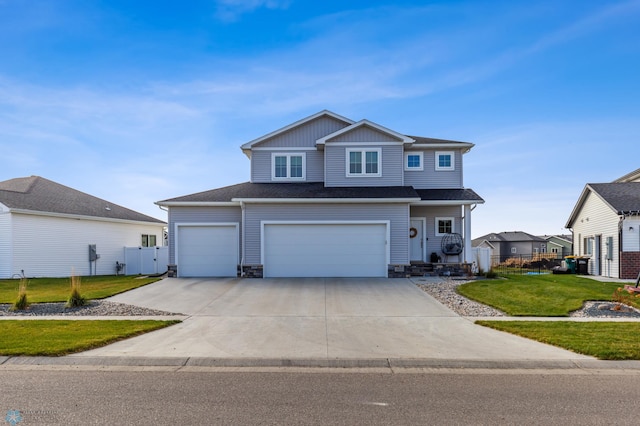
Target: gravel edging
[93, 308]
[444, 290]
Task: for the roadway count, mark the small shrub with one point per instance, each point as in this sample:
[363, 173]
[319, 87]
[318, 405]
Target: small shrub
[75, 299]
[491, 274]
[22, 302]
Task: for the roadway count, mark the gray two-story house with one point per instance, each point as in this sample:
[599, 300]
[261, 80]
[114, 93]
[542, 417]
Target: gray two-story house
[328, 197]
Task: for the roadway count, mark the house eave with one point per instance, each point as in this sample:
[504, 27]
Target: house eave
[325, 200]
[85, 217]
[466, 147]
[446, 202]
[197, 203]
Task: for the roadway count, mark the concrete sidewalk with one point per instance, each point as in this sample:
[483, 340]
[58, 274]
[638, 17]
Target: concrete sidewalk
[324, 320]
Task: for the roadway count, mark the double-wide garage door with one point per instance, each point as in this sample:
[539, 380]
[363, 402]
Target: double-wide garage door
[207, 251]
[325, 250]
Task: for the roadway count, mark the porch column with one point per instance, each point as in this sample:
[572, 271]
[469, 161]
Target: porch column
[467, 253]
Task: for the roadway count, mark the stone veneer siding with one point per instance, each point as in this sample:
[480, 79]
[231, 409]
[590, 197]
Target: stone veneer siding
[629, 264]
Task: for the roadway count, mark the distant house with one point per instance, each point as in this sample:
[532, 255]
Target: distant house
[328, 197]
[606, 226]
[48, 230]
[562, 245]
[509, 244]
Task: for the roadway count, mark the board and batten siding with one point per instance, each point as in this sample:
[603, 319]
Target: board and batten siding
[335, 158]
[596, 218]
[45, 246]
[429, 177]
[397, 214]
[306, 134]
[5, 244]
[205, 214]
[262, 168]
[364, 134]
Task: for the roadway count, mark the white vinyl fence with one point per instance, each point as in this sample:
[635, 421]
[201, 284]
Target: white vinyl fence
[482, 257]
[145, 260]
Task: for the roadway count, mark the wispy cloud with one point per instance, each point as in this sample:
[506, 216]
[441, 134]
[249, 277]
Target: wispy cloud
[231, 10]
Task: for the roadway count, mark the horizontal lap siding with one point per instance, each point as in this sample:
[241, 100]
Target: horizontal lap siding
[397, 214]
[226, 214]
[53, 247]
[430, 213]
[5, 245]
[430, 178]
[336, 167]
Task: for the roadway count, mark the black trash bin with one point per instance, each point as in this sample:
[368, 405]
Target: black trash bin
[582, 266]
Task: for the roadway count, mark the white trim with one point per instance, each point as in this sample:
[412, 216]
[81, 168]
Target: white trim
[82, 217]
[422, 237]
[445, 203]
[453, 160]
[406, 161]
[402, 138]
[203, 224]
[387, 224]
[198, 203]
[363, 160]
[325, 200]
[437, 225]
[452, 145]
[370, 144]
[284, 148]
[288, 156]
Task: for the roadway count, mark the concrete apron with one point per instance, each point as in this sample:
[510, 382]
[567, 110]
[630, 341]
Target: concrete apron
[315, 318]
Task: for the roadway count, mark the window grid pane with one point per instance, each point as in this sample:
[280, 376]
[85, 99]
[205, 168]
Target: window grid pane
[413, 161]
[281, 166]
[444, 227]
[444, 161]
[372, 162]
[355, 162]
[296, 166]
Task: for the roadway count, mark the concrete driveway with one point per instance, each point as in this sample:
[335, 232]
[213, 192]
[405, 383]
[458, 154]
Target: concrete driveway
[314, 318]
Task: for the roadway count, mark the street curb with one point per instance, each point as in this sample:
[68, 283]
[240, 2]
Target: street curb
[388, 363]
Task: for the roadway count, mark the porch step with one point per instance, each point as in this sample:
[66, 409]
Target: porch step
[420, 269]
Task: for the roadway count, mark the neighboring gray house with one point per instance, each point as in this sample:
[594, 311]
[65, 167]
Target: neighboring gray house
[561, 245]
[46, 230]
[606, 227]
[328, 197]
[510, 244]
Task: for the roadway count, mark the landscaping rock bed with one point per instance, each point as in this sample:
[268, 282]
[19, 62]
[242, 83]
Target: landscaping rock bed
[444, 290]
[93, 308]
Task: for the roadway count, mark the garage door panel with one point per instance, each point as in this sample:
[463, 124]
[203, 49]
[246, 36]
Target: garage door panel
[207, 251]
[325, 250]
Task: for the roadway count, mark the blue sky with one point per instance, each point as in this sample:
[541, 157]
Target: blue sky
[139, 101]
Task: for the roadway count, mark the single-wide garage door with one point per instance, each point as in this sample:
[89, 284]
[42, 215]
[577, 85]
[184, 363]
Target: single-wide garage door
[207, 251]
[325, 250]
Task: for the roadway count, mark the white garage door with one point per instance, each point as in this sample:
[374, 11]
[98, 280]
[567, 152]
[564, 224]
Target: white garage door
[325, 250]
[207, 251]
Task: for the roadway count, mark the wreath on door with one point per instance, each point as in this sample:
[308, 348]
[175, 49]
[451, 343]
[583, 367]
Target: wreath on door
[413, 232]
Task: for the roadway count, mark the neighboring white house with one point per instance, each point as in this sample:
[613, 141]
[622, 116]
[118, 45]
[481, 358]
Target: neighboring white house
[50, 230]
[606, 227]
[328, 197]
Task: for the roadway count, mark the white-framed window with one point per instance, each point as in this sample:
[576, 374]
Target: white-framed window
[554, 250]
[288, 166]
[364, 162]
[445, 160]
[413, 161]
[444, 225]
[148, 240]
[588, 245]
[514, 250]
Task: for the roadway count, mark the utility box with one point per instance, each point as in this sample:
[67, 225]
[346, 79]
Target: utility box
[582, 266]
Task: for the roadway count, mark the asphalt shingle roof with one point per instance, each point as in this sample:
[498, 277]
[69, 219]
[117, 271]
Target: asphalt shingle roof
[623, 197]
[35, 193]
[318, 190]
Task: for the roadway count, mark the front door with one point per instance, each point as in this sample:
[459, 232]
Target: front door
[417, 239]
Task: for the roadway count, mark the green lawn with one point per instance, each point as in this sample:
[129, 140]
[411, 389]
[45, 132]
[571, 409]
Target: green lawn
[58, 289]
[603, 340]
[538, 295]
[62, 337]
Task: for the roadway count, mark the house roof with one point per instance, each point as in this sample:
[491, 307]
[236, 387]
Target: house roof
[317, 191]
[38, 194]
[621, 197]
[512, 237]
[634, 176]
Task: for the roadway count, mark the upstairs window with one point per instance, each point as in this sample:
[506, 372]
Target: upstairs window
[413, 161]
[445, 160]
[288, 166]
[365, 162]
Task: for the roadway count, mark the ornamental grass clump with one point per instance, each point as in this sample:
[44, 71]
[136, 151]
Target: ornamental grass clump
[22, 302]
[75, 299]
